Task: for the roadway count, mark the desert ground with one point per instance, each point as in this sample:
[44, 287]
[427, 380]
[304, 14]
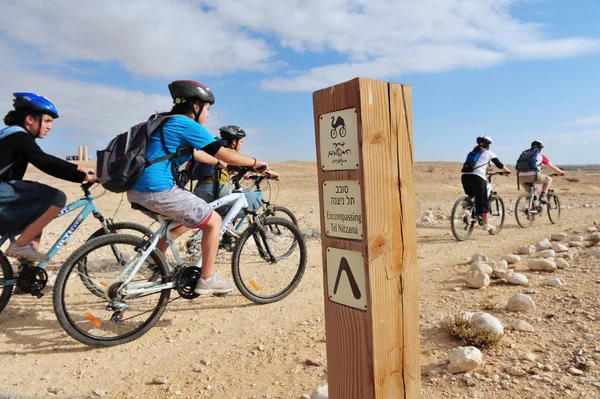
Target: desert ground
[228, 347]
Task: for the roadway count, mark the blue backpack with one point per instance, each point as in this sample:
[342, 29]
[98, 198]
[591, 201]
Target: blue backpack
[472, 158]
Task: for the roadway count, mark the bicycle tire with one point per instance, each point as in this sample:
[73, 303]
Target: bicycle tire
[553, 201]
[333, 133]
[7, 274]
[458, 224]
[118, 227]
[66, 318]
[286, 211]
[499, 202]
[248, 290]
[523, 219]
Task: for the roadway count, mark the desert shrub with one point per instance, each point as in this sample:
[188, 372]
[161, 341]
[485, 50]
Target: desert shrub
[430, 169]
[489, 304]
[460, 327]
[573, 180]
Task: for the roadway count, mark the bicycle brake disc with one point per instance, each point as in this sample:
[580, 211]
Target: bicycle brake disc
[186, 280]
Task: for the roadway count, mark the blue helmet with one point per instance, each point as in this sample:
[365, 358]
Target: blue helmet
[35, 102]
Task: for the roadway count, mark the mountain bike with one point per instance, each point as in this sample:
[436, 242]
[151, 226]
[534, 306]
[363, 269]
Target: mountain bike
[135, 280]
[464, 216]
[32, 279]
[528, 206]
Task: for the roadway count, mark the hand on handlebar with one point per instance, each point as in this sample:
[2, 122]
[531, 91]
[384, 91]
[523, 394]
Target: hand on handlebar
[90, 175]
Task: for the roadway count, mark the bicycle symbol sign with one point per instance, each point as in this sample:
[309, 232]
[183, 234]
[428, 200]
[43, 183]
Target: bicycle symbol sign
[335, 123]
[339, 140]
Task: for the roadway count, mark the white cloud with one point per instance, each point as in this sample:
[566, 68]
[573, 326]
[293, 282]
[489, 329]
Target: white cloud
[579, 138]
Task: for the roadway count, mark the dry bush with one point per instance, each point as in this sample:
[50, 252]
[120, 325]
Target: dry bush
[460, 327]
[572, 180]
[489, 304]
[430, 169]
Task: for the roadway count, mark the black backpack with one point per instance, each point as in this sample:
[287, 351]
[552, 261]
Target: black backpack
[472, 158]
[122, 162]
[527, 162]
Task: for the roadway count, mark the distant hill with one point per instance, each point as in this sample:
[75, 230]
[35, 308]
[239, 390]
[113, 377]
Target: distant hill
[576, 167]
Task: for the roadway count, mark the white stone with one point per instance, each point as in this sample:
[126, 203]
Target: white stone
[594, 252]
[502, 273]
[464, 359]
[517, 279]
[595, 238]
[542, 245]
[428, 214]
[558, 247]
[475, 279]
[322, 392]
[515, 371]
[520, 303]
[592, 229]
[561, 263]
[559, 236]
[486, 320]
[526, 250]
[481, 267]
[576, 238]
[556, 282]
[546, 265]
[547, 253]
[576, 244]
[479, 257]
[426, 219]
[511, 259]
[522, 326]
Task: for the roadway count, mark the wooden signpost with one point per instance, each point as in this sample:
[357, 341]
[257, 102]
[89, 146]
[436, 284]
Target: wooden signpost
[363, 131]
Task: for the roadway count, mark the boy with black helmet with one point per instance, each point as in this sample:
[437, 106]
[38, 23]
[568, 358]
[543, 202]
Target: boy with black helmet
[529, 171]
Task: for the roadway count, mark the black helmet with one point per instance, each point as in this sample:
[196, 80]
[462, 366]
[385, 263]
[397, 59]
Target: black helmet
[484, 140]
[181, 90]
[537, 144]
[231, 132]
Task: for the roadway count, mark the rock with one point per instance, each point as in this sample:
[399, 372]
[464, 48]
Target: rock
[511, 259]
[486, 320]
[595, 238]
[574, 371]
[558, 247]
[561, 263]
[559, 236]
[594, 252]
[545, 265]
[543, 245]
[547, 253]
[322, 392]
[475, 279]
[428, 214]
[531, 357]
[464, 359]
[520, 303]
[500, 264]
[427, 220]
[502, 273]
[576, 238]
[515, 371]
[159, 380]
[556, 282]
[99, 392]
[307, 232]
[522, 326]
[576, 244]
[304, 396]
[311, 362]
[479, 257]
[481, 267]
[517, 279]
[526, 250]
[592, 229]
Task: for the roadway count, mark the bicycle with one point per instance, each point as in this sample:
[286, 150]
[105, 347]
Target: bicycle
[32, 279]
[464, 215]
[114, 265]
[528, 206]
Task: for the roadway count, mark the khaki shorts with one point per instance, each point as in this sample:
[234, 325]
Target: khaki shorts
[541, 178]
[174, 203]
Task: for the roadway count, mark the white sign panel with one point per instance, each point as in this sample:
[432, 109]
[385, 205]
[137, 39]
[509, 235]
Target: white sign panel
[346, 278]
[339, 140]
[342, 209]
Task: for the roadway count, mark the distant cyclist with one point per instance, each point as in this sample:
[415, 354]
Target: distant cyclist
[529, 169]
[474, 179]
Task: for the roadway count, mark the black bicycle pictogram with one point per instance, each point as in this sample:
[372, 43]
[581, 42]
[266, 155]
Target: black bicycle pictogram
[335, 123]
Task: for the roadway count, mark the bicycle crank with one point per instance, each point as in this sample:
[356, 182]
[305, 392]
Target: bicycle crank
[32, 280]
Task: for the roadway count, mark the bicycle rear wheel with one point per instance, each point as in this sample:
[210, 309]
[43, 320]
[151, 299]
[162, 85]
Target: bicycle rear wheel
[5, 275]
[114, 318]
[553, 208]
[460, 219]
[269, 260]
[497, 214]
[284, 213]
[524, 219]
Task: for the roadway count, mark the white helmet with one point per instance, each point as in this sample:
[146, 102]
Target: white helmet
[484, 140]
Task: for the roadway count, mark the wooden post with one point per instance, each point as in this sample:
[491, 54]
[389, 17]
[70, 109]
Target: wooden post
[366, 192]
[79, 152]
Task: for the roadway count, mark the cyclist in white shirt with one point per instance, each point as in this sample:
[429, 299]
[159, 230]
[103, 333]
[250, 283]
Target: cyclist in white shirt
[475, 183]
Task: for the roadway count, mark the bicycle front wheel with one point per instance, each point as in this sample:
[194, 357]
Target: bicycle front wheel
[522, 214]
[553, 208]
[269, 260]
[496, 215]
[461, 219]
[114, 318]
[5, 275]
[284, 213]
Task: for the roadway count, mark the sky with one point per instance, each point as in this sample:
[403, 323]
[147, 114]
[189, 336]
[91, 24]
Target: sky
[516, 70]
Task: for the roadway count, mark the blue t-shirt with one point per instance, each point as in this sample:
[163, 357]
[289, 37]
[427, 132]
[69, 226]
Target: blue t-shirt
[179, 131]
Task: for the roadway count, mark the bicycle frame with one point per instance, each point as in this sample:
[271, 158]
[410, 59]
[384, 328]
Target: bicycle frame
[89, 207]
[166, 225]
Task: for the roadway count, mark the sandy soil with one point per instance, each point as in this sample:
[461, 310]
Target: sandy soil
[230, 348]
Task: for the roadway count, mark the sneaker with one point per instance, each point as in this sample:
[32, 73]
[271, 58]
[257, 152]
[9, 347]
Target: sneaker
[216, 285]
[543, 199]
[26, 252]
[488, 227]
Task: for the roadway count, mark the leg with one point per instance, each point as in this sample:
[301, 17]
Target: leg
[175, 234]
[34, 229]
[210, 244]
